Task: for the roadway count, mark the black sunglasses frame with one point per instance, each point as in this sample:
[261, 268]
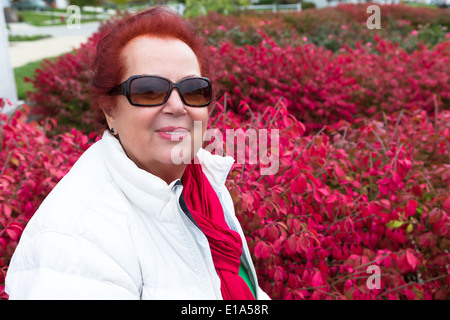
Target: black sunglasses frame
[124, 89]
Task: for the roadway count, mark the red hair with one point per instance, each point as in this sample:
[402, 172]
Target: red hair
[109, 66]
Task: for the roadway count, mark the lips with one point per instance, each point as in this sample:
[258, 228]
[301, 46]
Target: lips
[172, 133]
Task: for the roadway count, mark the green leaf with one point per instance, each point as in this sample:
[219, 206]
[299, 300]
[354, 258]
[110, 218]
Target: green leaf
[409, 228]
[394, 224]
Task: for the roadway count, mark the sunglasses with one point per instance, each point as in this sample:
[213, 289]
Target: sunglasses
[152, 91]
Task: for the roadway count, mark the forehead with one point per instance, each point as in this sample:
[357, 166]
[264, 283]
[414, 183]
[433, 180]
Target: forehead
[168, 57]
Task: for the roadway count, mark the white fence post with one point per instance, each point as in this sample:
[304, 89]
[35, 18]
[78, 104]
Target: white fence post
[7, 82]
[274, 7]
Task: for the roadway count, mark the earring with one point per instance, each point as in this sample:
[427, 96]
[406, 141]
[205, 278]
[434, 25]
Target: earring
[113, 131]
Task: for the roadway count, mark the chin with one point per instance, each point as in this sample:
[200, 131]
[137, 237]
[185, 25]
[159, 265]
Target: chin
[180, 153]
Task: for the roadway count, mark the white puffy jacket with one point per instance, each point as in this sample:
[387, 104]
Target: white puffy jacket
[110, 230]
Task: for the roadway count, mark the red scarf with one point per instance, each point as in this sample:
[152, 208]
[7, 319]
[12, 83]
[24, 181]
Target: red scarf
[226, 244]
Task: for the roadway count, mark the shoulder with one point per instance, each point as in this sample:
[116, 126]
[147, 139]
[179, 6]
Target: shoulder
[84, 203]
[83, 224]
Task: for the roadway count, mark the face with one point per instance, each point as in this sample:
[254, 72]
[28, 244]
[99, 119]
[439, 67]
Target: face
[152, 137]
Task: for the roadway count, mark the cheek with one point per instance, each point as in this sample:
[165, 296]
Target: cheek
[137, 119]
[200, 114]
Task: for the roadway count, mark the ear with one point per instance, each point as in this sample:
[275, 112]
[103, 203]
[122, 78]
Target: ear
[109, 115]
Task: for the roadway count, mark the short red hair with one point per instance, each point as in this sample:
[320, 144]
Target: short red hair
[109, 67]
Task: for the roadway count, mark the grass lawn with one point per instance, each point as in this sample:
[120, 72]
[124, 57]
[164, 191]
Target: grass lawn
[42, 18]
[27, 38]
[34, 18]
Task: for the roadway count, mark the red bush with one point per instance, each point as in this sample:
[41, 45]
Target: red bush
[321, 88]
[390, 79]
[330, 27]
[313, 84]
[375, 192]
[62, 91]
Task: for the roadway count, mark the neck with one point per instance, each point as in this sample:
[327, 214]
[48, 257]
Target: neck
[168, 173]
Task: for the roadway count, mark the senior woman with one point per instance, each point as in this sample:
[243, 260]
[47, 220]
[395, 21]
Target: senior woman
[127, 221]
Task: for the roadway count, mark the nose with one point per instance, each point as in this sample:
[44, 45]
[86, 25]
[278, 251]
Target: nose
[174, 105]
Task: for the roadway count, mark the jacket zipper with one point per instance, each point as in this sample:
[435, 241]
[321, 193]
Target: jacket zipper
[230, 221]
[191, 238]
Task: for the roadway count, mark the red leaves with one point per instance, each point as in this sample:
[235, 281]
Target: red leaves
[264, 67]
[315, 232]
[411, 208]
[446, 204]
[298, 185]
[61, 90]
[4, 102]
[411, 259]
[298, 244]
[263, 250]
[323, 88]
[317, 280]
[14, 230]
[291, 245]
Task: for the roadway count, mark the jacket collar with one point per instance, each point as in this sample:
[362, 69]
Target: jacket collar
[215, 167]
[147, 191]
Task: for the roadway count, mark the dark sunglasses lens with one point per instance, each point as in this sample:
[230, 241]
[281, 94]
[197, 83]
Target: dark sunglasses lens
[148, 90]
[196, 92]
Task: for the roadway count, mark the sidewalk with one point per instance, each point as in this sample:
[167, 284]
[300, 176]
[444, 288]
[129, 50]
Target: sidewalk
[23, 52]
[20, 28]
[63, 40]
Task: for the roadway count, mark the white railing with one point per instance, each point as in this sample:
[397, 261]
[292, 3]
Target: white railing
[336, 2]
[274, 7]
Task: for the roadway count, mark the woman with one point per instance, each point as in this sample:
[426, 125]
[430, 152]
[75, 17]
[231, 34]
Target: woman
[127, 221]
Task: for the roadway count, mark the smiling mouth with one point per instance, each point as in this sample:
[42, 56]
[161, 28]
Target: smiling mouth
[175, 130]
[173, 133]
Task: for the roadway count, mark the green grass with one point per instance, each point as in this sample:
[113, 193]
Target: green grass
[26, 71]
[34, 18]
[28, 38]
[422, 5]
[42, 19]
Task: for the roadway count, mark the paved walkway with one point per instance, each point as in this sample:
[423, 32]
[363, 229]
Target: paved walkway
[23, 52]
[63, 40]
[86, 29]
